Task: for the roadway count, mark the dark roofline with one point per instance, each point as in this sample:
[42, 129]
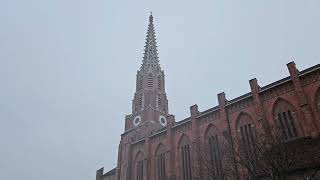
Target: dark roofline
[127, 131]
[310, 69]
[182, 122]
[208, 111]
[276, 83]
[288, 78]
[263, 89]
[111, 172]
[237, 99]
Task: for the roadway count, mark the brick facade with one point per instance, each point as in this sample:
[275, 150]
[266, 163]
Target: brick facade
[156, 145]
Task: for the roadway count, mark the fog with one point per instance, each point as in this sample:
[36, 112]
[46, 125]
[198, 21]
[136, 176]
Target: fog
[68, 67]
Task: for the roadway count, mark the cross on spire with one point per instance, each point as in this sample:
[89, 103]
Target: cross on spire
[150, 58]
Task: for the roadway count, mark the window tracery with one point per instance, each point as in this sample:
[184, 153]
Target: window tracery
[160, 163]
[214, 154]
[247, 133]
[285, 119]
[185, 158]
[139, 167]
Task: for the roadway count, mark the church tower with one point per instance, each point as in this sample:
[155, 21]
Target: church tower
[148, 117]
[150, 104]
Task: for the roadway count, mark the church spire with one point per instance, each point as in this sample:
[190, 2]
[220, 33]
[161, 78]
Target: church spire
[150, 86]
[150, 58]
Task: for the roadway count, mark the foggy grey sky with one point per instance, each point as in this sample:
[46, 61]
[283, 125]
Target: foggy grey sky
[68, 67]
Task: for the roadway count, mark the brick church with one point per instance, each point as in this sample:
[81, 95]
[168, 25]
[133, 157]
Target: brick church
[155, 146]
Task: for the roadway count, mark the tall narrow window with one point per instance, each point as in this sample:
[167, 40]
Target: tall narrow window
[285, 118]
[141, 100]
[248, 146]
[150, 81]
[247, 139]
[139, 169]
[161, 166]
[137, 84]
[160, 163]
[287, 125]
[186, 164]
[140, 83]
[215, 159]
[159, 82]
[159, 100]
[185, 158]
[318, 100]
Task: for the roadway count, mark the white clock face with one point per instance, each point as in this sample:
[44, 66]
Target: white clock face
[163, 121]
[136, 120]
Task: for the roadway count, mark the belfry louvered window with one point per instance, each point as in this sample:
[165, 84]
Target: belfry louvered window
[186, 162]
[159, 82]
[139, 169]
[159, 100]
[215, 159]
[140, 100]
[150, 81]
[161, 166]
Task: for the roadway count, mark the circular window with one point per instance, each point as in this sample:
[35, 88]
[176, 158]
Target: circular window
[162, 120]
[136, 121]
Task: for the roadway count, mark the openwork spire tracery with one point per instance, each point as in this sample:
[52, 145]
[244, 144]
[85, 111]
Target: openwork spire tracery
[150, 58]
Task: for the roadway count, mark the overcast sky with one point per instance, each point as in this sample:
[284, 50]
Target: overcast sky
[68, 67]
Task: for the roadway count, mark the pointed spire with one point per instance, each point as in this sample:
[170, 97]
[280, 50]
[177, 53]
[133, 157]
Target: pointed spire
[150, 58]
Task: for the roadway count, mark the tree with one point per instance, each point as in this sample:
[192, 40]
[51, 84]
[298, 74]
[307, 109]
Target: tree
[266, 156]
[211, 163]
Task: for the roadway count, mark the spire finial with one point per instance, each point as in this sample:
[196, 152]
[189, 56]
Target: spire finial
[151, 18]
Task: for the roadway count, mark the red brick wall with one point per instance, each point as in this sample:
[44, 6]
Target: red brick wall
[299, 90]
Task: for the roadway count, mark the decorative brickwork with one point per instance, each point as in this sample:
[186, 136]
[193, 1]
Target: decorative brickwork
[157, 147]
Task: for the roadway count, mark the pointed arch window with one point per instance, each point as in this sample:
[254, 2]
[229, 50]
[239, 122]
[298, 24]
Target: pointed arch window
[247, 134]
[139, 167]
[215, 158]
[285, 118]
[185, 158]
[160, 163]
[140, 170]
[247, 138]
